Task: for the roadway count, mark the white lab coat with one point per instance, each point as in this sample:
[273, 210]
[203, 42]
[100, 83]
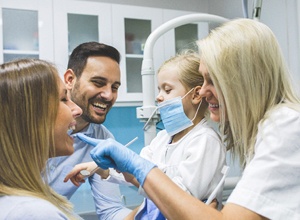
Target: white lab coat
[270, 184]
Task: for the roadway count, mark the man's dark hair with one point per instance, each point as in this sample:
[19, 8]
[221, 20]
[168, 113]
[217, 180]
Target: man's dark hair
[82, 52]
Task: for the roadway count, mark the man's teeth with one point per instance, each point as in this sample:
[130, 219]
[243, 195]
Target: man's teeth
[100, 105]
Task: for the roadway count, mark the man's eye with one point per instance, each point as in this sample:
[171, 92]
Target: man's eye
[98, 84]
[115, 88]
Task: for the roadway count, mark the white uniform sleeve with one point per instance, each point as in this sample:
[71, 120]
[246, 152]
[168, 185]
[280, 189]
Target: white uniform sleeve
[271, 181]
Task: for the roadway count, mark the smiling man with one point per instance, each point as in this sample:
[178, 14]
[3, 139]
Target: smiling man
[92, 79]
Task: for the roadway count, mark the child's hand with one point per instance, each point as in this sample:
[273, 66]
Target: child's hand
[128, 177]
[75, 176]
[131, 179]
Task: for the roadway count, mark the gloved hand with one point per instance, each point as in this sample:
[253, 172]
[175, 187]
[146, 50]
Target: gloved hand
[110, 153]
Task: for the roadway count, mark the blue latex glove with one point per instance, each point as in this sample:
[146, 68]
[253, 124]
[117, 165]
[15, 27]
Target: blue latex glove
[111, 154]
[87, 139]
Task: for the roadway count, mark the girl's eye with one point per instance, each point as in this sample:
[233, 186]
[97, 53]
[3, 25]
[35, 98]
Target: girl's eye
[167, 89]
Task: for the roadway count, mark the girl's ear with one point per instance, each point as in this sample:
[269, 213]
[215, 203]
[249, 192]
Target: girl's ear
[196, 96]
[69, 78]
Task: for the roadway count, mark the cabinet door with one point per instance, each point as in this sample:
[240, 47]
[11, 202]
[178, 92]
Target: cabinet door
[76, 22]
[183, 37]
[25, 28]
[131, 27]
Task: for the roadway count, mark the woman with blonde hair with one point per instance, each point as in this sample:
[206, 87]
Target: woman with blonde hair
[36, 115]
[248, 90]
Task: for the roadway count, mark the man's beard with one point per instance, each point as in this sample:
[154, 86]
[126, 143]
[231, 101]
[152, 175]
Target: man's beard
[90, 119]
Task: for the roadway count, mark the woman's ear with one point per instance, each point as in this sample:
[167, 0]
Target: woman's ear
[196, 96]
[69, 79]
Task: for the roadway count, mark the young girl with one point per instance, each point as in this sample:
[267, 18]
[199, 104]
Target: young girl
[36, 115]
[188, 150]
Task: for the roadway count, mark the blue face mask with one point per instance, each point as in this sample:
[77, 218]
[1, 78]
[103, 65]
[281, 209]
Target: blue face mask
[173, 116]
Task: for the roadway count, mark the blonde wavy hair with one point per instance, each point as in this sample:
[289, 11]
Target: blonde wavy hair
[187, 64]
[29, 99]
[247, 67]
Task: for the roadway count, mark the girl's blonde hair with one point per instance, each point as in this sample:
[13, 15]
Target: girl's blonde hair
[187, 64]
[29, 99]
[246, 65]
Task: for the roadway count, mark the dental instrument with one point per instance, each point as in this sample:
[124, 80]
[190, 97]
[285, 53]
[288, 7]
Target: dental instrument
[224, 171]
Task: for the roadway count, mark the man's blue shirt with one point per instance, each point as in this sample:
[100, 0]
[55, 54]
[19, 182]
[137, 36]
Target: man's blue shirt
[106, 195]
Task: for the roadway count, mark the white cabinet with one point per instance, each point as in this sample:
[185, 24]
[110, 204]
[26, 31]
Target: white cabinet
[131, 27]
[76, 22]
[182, 37]
[51, 29]
[26, 29]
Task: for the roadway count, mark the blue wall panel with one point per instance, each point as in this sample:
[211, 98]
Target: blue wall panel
[123, 124]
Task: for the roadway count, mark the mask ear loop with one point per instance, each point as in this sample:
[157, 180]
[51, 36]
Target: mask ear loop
[198, 105]
[197, 110]
[147, 122]
[187, 93]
